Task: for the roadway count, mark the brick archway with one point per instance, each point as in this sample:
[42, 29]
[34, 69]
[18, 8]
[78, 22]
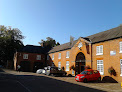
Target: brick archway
[79, 63]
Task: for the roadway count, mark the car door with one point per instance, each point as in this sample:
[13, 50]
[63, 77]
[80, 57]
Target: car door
[95, 75]
[89, 75]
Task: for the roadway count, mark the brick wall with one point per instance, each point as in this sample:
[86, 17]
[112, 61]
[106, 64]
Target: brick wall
[108, 60]
[73, 53]
[32, 57]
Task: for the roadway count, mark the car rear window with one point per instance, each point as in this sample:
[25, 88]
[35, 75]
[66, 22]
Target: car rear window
[95, 71]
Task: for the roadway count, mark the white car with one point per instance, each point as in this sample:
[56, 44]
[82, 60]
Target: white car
[43, 71]
[39, 71]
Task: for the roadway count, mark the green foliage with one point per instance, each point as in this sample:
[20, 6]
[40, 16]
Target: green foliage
[50, 42]
[111, 71]
[72, 67]
[57, 43]
[10, 42]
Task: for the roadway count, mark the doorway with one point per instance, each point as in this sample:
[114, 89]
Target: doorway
[79, 63]
[25, 66]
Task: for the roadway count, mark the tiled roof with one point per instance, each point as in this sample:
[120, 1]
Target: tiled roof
[99, 37]
[32, 49]
[63, 47]
[106, 35]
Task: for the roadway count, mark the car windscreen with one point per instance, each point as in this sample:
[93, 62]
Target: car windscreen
[84, 72]
[54, 68]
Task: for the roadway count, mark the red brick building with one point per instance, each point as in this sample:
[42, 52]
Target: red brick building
[100, 51]
[30, 58]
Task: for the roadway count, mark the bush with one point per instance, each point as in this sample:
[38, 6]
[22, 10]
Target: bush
[111, 71]
[72, 67]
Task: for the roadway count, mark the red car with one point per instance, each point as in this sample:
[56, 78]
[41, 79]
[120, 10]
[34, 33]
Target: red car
[88, 75]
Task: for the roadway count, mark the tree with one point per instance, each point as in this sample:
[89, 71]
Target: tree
[57, 43]
[10, 42]
[50, 42]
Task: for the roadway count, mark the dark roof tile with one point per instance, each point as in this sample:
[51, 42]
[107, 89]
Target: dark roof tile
[63, 47]
[32, 49]
[106, 35]
[102, 36]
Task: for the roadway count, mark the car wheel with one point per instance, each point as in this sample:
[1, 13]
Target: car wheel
[85, 80]
[99, 79]
[52, 74]
[64, 74]
[61, 75]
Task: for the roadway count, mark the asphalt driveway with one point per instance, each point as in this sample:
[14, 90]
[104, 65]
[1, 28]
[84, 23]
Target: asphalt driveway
[31, 82]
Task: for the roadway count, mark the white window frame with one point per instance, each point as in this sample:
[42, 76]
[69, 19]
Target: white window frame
[52, 56]
[47, 57]
[120, 67]
[67, 54]
[38, 57]
[67, 65]
[120, 47]
[59, 56]
[59, 65]
[25, 56]
[99, 50]
[99, 65]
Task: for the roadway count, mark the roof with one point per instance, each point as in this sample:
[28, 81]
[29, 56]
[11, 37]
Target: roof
[99, 37]
[32, 49]
[63, 47]
[106, 35]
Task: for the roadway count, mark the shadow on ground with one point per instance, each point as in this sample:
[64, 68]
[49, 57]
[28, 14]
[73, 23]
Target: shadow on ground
[108, 79]
[39, 84]
[1, 70]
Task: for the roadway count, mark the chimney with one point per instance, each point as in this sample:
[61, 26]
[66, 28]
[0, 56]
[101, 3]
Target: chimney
[71, 40]
[120, 25]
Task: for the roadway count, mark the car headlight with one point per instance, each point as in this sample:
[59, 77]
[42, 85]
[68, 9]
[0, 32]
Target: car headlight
[82, 76]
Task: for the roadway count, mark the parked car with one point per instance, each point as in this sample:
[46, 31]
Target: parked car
[39, 71]
[88, 75]
[55, 71]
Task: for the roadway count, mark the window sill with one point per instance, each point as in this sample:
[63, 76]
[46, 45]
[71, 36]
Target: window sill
[100, 54]
[101, 73]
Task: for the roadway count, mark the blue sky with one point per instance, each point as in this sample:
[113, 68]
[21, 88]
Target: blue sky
[38, 19]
